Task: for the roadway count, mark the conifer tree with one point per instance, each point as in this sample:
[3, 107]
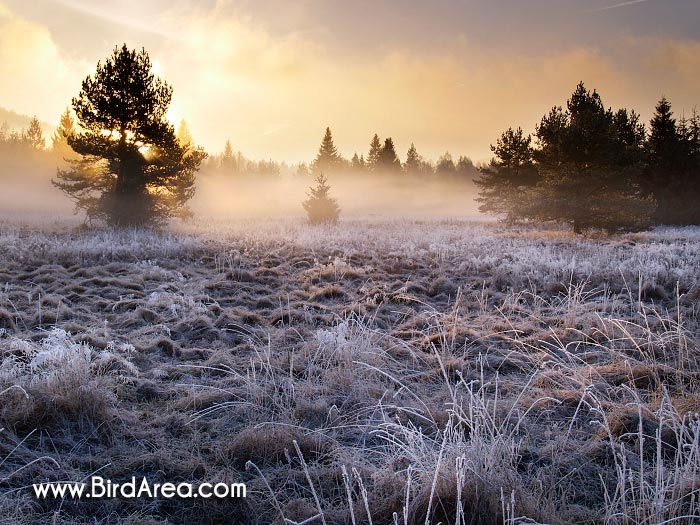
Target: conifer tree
[668, 174]
[357, 163]
[465, 168]
[413, 162]
[446, 165]
[133, 171]
[320, 206]
[34, 135]
[388, 161]
[59, 140]
[375, 149]
[228, 160]
[589, 159]
[328, 160]
[184, 136]
[506, 184]
[302, 170]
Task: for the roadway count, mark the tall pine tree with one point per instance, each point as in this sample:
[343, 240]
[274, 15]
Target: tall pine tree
[228, 159]
[413, 163]
[388, 161]
[34, 135]
[375, 149]
[328, 160]
[133, 171]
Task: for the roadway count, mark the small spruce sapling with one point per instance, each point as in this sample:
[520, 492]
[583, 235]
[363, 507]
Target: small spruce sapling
[320, 206]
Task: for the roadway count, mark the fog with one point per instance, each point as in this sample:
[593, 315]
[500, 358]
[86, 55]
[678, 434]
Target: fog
[26, 192]
[25, 184]
[235, 196]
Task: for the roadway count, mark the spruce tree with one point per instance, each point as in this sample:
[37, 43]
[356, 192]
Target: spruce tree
[357, 163]
[184, 136]
[320, 206]
[388, 161]
[228, 160]
[133, 171]
[328, 160]
[34, 135]
[668, 174]
[302, 170]
[59, 140]
[375, 149]
[412, 166]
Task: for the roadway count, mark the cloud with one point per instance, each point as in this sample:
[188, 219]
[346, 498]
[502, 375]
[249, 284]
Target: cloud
[273, 92]
[37, 79]
[146, 21]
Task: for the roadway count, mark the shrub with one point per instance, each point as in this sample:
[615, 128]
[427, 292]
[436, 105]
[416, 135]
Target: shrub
[320, 206]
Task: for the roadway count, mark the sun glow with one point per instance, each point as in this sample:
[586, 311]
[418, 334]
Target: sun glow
[156, 68]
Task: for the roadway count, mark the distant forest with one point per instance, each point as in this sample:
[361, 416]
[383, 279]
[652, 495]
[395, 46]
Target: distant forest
[596, 168]
[585, 165]
[381, 157]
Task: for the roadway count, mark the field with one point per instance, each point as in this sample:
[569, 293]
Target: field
[379, 371]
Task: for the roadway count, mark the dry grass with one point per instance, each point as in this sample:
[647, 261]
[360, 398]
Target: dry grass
[374, 372]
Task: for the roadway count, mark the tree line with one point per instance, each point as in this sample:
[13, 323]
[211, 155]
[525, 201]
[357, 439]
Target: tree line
[595, 168]
[586, 165]
[382, 157]
[32, 138]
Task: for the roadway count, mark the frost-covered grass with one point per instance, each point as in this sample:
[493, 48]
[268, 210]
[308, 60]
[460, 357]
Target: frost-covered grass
[541, 255]
[378, 371]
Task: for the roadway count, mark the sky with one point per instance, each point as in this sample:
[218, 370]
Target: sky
[270, 75]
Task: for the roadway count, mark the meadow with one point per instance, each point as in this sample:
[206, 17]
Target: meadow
[383, 370]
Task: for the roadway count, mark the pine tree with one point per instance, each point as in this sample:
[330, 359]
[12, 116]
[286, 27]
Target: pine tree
[357, 163]
[59, 140]
[375, 149]
[320, 206]
[506, 184]
[184, 136]
[589, 161]
[328, 160]
[34, 135]
[446, 165]
[412, 166]
[302, 170]
[133, 171]
[693, 139]
[388, 161]
[228, 160]
[668, 175]
[465, 168]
